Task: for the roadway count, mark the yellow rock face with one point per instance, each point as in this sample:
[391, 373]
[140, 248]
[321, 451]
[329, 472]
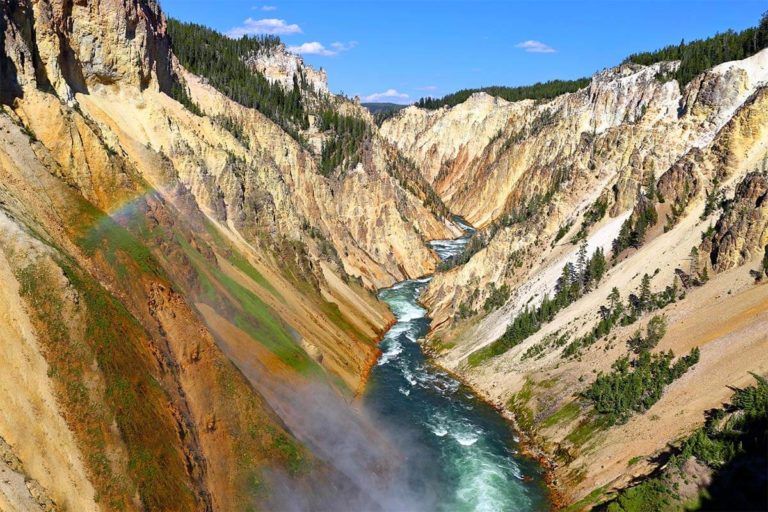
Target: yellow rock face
[196, 268]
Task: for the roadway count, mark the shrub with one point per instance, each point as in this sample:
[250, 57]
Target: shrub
[634, 386]
[655, 331]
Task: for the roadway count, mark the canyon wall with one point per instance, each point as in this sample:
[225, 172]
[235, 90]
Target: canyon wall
[166, 280]
[544, 179]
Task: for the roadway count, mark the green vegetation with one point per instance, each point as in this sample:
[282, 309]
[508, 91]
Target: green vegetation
[537, 91]
[116, 244]
[616, 313]
[179, 93]
[475, 245]
[720, 440]
[496, 298]
[656, 329]
[702, 54]
[565, 414]
[593, 215]
[650, 496]
[586, 430]
[244, 266]
[517, 403]
[573, 283]
[254, 316]
[551, 341]
[535, 206]
[437, 344]
[633, 387]
[411, 179]
[695, 57]
[290, 452]
[465, 308]
[632, 233]
[564, 229]
[677, 208]
[520, 213]
[223, 62]
[237, 131]
[733, 442]
[65, 368]
[345, 143]
[377, 108]
[713, 200]
[587, 501]
[220, 60]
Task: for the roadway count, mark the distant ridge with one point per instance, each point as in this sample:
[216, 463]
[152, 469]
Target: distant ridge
[383, 111]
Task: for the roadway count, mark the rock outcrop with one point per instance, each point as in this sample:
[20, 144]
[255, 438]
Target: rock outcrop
[278, 65]
[741, 233]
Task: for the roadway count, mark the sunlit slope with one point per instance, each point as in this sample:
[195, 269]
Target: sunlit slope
[669, 184]
[170, 285]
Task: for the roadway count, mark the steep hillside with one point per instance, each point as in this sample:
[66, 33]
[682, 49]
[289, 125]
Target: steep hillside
[623, 220]
[342, 173]
[528, 173]
[176, 275]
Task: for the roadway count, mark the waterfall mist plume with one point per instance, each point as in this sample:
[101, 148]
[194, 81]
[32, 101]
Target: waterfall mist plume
[368, 463]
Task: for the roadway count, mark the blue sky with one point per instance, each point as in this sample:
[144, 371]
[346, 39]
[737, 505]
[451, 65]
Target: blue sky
[400, 51]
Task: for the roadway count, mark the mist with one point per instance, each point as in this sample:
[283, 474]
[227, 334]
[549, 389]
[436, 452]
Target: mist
[369, 463]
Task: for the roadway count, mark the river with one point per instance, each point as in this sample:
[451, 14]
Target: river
[465, 456]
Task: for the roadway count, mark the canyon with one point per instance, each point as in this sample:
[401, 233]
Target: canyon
[196, 293]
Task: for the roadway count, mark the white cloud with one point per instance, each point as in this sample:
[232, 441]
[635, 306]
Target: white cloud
[532, 46]
[392, 95]
[343, 47]
[427, 88]
[271, 26]
[315, 48]
[263, 8]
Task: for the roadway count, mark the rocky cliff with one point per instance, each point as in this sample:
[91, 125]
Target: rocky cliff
[280, 66]
[668, 184]
[168, 273]
[556, 165]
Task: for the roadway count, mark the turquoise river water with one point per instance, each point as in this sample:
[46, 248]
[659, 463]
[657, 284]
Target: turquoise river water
[465, 456]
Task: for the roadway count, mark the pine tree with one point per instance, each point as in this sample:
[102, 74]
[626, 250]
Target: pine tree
[675, 289]
[650, 186]
[693, 258]
[657, 328]
[581, 264]
[622, 240]
[597, 266]
[614, 298]
[222, 61]
[645, 292]
[565, 280]
[697, 56]
[537, 91]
